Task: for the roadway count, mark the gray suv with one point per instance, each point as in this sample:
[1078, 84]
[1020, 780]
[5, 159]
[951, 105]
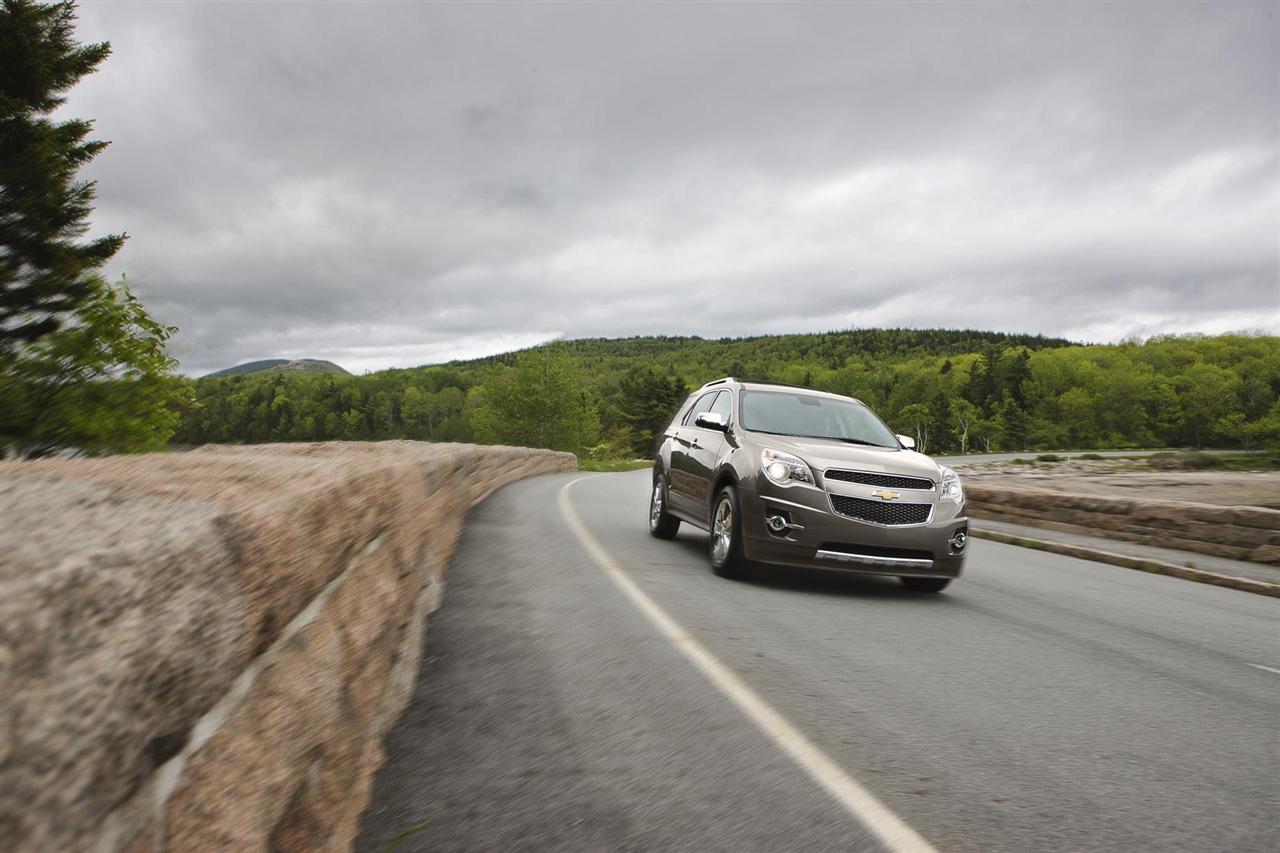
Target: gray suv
[796, 477]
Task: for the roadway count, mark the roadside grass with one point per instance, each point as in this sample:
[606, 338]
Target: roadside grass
[612, 465]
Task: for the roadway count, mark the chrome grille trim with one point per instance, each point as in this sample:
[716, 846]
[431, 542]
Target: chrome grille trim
[869, 560]
[881, 480]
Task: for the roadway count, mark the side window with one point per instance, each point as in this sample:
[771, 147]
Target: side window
[678, 418]
[703, 404]
[723, 405]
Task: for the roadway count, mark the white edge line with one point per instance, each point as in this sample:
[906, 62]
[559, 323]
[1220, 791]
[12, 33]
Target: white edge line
[1267, 668]
[857, 800]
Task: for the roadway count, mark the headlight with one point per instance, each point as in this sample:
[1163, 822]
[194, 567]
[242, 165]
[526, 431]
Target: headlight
[784, 469]
[950, 489]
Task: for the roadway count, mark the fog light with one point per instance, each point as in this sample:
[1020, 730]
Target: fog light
[777, 523]
[958, 540]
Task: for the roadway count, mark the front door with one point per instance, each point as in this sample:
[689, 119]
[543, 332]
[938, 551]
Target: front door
[705, 447]
[683, 483]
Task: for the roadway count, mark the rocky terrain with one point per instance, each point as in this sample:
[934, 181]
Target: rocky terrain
[1131, 478]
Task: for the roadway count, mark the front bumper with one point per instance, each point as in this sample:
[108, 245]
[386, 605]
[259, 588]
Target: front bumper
[832, 541]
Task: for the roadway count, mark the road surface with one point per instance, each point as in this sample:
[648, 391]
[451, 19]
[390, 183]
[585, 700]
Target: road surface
[1041, 703]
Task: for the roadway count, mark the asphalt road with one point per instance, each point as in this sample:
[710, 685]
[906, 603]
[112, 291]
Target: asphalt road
[1041, 703]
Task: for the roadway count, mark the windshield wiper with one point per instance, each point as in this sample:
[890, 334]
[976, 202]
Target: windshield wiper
[856, 441]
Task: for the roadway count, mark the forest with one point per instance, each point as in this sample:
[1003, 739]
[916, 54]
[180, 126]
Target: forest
[953, 391]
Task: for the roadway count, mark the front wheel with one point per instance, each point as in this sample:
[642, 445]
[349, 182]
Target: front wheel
[662, 524]
[725, 547]
[925, 584]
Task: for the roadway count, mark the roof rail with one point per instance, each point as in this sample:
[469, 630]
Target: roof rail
[775, 384]
[754, 382]
[778, 384]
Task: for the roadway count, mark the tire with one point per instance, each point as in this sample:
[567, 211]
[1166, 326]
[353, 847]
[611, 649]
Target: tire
[661, 524]
[925, 584]
[725, 545]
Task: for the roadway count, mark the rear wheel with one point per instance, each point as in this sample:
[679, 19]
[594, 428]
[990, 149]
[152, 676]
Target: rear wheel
[661, 524]
[725, 546]
[925, 584]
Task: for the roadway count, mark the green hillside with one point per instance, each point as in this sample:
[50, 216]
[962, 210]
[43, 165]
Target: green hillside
[949, 389]
[758, 356]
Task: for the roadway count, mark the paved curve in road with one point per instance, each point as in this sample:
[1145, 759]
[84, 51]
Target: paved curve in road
[1041, 703]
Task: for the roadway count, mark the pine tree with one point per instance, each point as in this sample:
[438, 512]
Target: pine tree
[1014, 424]
[980, 389]
[44, 209]
[647, 400]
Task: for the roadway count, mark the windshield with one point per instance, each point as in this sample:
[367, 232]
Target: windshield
[809, 415]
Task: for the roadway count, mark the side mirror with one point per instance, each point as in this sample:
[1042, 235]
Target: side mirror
[711, 420]
[907, 441]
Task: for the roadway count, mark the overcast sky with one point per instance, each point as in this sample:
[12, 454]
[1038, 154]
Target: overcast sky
[392, 185]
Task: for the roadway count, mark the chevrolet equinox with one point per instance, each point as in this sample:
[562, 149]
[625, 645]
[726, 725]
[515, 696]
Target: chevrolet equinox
[791, 476]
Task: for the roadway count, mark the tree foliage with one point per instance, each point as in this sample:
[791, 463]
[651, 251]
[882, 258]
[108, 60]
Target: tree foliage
[101, 383]
[1001, 392]
[44, 209]
[1004, 393]
[83, 366]
[646, 400]
[539, 402]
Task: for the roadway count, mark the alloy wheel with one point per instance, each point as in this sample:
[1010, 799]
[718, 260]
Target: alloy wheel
[722, 531]
[655, 507]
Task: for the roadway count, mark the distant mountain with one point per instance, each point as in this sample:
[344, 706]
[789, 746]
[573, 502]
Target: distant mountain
[282, 365]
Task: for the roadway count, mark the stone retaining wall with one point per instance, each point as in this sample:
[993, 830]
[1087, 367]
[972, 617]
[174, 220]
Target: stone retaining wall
[203, 650]
[1239, 532]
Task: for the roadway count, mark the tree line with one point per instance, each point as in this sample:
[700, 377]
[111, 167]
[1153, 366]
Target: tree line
[951, 391]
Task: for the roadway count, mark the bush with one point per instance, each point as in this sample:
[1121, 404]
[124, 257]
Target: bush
[1191, 460]
[1023, 462]
[587, 463]
[1091, 456]
[1050, 457]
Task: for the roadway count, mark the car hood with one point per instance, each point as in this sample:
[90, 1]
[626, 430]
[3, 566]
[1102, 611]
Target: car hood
[823, 453]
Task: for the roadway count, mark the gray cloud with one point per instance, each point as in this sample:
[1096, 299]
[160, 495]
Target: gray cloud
[395, 184]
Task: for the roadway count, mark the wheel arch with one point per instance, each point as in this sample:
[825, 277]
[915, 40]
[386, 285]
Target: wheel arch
[726, 476]
[662, 462]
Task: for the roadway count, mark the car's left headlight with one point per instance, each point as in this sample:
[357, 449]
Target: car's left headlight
[785, 469]
[950, 489]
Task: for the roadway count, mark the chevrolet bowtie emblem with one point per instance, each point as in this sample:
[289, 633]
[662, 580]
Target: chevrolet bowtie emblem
[886, 495]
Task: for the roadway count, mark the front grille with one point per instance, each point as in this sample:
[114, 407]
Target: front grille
[881, 512]
[886, 481]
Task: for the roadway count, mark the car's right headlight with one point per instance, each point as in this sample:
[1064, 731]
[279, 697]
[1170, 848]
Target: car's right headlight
[950, 489]
[785, 469]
